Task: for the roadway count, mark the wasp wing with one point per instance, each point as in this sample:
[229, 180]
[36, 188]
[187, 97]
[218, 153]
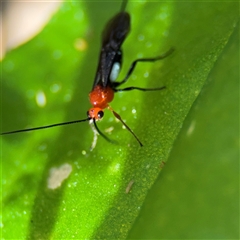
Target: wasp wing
[113, 36]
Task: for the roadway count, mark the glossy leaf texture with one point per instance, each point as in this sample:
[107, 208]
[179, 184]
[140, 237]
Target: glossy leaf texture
[59, 64]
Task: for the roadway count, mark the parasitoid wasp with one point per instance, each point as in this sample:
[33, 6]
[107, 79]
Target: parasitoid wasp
[105, 84]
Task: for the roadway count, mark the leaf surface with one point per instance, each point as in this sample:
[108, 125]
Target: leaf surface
[92, 201]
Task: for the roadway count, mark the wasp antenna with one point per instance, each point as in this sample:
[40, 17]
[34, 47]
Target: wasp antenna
[47, 126]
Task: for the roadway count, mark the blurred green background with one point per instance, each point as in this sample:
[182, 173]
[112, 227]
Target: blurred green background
[194, 123]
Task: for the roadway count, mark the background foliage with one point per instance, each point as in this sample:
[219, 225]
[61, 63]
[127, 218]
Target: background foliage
[197, 194]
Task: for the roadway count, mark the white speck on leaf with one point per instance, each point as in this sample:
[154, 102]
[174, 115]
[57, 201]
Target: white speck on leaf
[58, 175]
[129, 186]
[41, 99]
[191, 128]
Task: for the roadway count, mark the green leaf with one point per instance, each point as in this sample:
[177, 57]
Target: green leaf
[198, 189]
[92, 201]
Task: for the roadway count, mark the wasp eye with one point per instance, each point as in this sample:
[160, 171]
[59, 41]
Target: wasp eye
[100, 114]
